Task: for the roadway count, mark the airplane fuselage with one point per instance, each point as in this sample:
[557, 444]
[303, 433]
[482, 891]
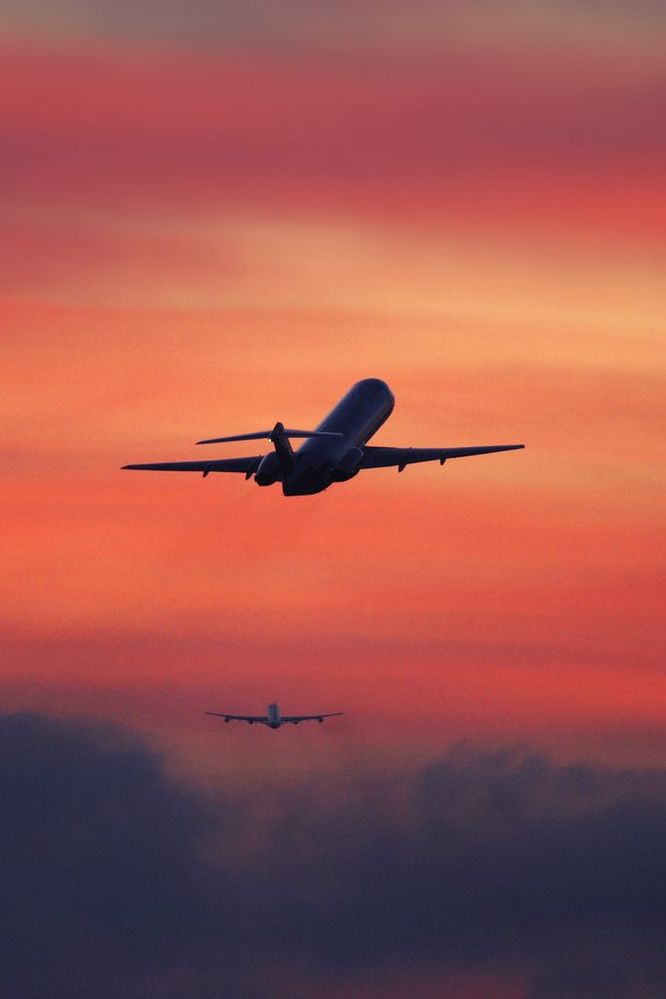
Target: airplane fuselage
[321, 461]
[273, 716]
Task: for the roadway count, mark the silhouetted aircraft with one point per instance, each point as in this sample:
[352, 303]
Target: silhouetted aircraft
[273, 718]
[335, 451]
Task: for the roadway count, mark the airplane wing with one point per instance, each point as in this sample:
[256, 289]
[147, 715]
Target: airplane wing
[384, 457]
[251, 719]
[295, 719]
[246, 465]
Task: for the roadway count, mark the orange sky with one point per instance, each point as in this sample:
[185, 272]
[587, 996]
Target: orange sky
[200, 242]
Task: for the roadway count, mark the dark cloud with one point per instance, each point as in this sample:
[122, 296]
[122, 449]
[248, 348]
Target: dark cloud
[119, 881]
[486, 860]
[105, 891]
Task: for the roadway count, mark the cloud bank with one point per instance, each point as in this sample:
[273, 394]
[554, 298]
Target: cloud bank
[121, 881]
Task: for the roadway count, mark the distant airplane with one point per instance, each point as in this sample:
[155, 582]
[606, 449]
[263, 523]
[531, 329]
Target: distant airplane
[273, 718]
[335, 452]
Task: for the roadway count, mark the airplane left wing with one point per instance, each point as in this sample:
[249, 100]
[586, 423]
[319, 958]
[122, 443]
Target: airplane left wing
[259, 719]
[246, 465]
[294, 719]
[384, 457]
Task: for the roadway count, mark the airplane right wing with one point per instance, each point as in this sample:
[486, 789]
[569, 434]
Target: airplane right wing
[384, 457]
[295, 719]
[246, 465]
[250, 719]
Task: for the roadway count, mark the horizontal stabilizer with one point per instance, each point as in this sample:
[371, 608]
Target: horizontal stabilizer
[277, 432]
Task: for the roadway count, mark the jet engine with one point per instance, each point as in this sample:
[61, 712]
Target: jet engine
[269, 470]
[348, 465]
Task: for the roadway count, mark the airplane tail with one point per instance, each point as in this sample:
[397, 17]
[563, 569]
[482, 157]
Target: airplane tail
[279, 437]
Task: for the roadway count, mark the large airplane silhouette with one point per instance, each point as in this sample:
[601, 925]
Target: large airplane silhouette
[335, 452]
[273, 718]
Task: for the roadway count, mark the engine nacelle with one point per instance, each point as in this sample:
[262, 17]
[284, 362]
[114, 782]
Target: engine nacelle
[348, 465]
[269, 470]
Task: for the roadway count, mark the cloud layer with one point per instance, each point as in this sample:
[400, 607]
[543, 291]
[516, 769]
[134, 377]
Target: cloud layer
[384, 26]
[120, 881]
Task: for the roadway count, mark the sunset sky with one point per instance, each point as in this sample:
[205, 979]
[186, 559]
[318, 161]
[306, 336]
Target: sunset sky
[218, 216]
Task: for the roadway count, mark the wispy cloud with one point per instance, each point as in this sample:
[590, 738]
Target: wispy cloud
[357, 29]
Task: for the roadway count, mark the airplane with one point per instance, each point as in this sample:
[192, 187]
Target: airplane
[273, 718]
[335, 452]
